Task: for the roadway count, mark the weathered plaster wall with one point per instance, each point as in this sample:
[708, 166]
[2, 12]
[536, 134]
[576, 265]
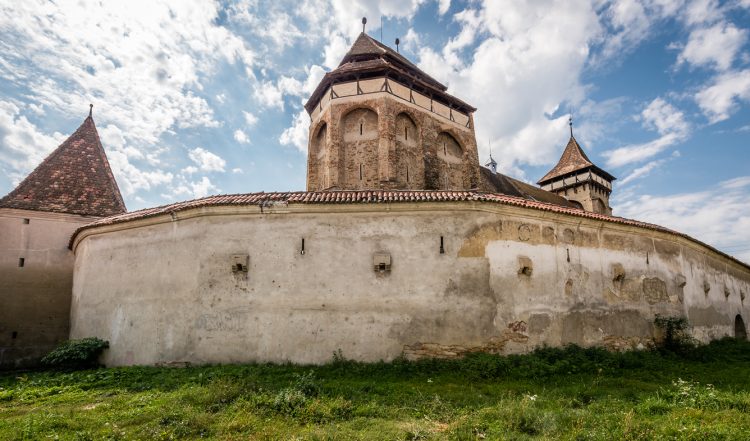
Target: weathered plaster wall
[35, 297]
[383, 117]
[510, 279]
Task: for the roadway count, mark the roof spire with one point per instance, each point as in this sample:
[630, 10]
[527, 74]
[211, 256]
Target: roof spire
[397, 42]
[492, 164]
[364, 22]
[570, 123]
[91, 109]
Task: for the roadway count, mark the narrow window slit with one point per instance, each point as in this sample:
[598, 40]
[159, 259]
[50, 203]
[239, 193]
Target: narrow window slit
[26, 221]
[442, 248]
[21, 261]
[302, 250]
[406, 133]
[360, 128]
[360, 172]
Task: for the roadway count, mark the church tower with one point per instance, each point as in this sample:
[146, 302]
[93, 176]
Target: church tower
[72, 187]
[379, 122]
[579, 180]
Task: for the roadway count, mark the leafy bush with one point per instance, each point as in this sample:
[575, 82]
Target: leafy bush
[676, 336]
[76, 354]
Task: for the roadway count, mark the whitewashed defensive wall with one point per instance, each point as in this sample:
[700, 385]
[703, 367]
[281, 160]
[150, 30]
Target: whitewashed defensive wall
[208, 282]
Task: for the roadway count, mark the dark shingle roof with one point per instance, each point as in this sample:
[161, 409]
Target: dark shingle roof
[370, 58]
[572, 160]
[500, 183]
[75, 178]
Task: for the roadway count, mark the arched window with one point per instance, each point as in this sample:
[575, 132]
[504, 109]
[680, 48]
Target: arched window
[408, 152]
[450, 153]
[359, 151]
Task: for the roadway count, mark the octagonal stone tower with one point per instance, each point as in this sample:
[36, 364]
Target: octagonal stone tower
[379, 122]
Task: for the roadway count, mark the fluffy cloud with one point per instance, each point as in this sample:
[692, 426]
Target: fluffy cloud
[720, 99]
[662, 117]
[507, 74]
[715, 46]
[719, 216]
[22, 144]
[296, 135]
[109, 56]
[250, 119]
[241, 137]
[206, 160]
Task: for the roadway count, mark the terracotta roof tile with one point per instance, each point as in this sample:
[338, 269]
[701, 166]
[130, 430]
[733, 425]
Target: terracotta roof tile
[75, 178]
[374, 197]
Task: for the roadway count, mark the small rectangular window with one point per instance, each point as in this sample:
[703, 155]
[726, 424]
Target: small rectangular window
[26, 221]
[21, 261]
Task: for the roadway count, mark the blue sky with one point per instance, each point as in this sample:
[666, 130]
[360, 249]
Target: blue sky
[199, 97]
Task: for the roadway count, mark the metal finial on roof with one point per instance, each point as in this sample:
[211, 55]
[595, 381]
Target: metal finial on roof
[364, 22]
[397, 42]
[492, 164]
[91, 109]
[570, 123]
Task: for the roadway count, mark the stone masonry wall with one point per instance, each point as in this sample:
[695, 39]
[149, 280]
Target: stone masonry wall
[379, 148]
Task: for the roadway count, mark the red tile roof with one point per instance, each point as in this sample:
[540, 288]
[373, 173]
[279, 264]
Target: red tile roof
[572, 160]
[372, 197]
[75, 178]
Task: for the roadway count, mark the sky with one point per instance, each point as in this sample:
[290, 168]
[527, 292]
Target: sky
[198, 97]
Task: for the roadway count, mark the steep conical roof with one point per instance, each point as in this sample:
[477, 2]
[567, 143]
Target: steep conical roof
[75, 178]
[573, 159]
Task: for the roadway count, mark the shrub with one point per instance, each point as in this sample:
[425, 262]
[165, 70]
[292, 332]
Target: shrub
[676, 337]
[76, 354]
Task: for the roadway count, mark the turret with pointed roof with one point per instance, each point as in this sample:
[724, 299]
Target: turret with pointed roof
[74, 179]
[579, 180]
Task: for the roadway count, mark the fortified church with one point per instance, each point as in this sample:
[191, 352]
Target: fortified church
[402, 245]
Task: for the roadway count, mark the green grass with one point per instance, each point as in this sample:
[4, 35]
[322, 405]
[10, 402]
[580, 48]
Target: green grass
[570, 393]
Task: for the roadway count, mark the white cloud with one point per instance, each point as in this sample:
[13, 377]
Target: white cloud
[443, 6]
[641, 172]
[237, 170]
[241, 137]
[720, 99]
[140, 62]
[22, 144]
[203, 187]
[296, 135]
[716, 46]
[508, 74]
[719, 216]
[250, 119]
[206, 160]
[697, 12]
[661, 116]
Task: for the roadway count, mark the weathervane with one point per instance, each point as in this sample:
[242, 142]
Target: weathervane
[397, 42]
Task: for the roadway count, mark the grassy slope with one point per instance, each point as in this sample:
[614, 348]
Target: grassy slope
[562, 394]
